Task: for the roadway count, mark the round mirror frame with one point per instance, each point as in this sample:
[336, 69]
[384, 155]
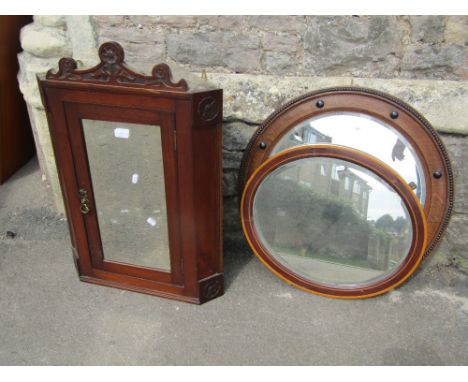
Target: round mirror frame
[388, 109]
[414, 208]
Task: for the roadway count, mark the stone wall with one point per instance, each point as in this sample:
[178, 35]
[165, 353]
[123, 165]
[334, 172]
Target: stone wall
[379, 46]
[263, 61]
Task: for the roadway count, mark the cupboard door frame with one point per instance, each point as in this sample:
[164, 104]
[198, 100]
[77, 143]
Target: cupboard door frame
[75, 113]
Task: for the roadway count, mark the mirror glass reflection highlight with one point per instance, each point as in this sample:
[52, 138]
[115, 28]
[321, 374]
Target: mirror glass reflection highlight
[361, 132]
[127, 171]
[332, 222]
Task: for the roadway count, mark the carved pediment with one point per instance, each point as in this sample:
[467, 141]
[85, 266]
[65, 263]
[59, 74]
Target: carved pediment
[112, 70]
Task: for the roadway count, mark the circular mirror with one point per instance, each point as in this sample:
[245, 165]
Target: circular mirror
[362, 132]
[333, 221]
[372, 122]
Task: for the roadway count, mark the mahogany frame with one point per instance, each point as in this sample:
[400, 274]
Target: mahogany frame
[416, 213]
[388, 109]
[191, 132]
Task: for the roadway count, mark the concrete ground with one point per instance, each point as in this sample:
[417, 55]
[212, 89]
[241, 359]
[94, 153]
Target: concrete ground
[49, 317]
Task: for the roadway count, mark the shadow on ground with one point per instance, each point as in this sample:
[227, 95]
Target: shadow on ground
[48, 317]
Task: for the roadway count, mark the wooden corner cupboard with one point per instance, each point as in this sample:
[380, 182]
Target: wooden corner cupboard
[139, 161]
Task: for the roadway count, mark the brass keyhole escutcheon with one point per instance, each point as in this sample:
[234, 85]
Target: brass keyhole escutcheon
[84, 201]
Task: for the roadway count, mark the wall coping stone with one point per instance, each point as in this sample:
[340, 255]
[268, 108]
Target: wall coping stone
[253, 97]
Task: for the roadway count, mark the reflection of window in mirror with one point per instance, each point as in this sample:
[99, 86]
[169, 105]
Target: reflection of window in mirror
[323, 234]
[363, 132]
[322, 170]
[335, 172]
[356, 187]
[383, 129]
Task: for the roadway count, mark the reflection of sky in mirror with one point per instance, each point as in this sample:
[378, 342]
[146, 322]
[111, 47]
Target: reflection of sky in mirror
[367, 134]
[382, 198]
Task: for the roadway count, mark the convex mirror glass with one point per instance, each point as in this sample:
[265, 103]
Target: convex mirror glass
[332, 221]
[361, 132]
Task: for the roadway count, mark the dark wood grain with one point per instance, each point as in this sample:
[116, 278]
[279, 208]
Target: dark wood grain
[192, 170]
[112, 70]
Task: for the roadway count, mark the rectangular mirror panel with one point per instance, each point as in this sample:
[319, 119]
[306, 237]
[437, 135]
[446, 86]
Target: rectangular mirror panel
[126, 165]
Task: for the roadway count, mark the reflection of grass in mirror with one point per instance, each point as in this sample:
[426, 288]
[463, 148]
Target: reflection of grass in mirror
[354, 262]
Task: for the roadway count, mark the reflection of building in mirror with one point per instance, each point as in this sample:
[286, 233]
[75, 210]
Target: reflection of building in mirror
[328, 178]
[317, 209]
[307, 135]
[361, 132]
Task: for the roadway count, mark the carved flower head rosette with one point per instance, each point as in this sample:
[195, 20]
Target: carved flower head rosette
[212, 288]
[162, 72]
[111, 53]
[208, 108]
[66, 68]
